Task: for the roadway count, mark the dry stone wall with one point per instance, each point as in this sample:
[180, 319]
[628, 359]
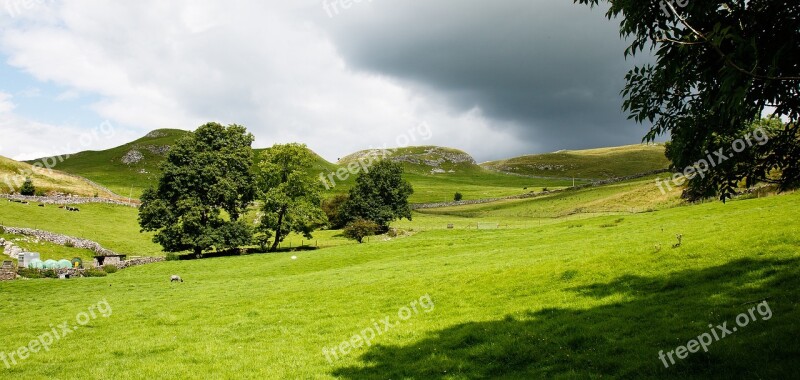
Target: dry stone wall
[65, 200]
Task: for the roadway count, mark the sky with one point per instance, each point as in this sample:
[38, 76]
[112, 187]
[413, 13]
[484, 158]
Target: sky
[495, 79]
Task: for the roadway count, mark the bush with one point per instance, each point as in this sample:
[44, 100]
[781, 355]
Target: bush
[40, 193]
[457, 197]
[30, 273]
[93, 272]
[108, 268]
[27, 188]
[49, 273]
[69, 244]
[172, 256]
[332, 208]
[359, 229]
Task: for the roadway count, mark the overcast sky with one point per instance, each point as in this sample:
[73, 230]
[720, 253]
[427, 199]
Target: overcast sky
[494, 78]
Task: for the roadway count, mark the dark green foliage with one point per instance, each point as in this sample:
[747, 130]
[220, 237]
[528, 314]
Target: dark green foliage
[380, 195]
[333, 210]
[30, 273]
[27, 187]
[359, 229]
[457, 197]
[719, 65]
[94, 272]
[108, 268]
[172, 256]
[205, 186]
[290, 196]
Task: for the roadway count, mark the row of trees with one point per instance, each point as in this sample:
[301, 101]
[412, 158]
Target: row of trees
[209, 181]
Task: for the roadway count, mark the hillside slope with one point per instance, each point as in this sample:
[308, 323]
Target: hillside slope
[13, 173]
[127, 169]
[601, 163]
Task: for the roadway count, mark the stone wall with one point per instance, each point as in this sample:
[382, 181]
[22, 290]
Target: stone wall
[140, 261]
[66, 200]
[60, 239]
[7, 275]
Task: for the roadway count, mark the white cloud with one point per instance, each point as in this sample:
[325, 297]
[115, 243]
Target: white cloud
[178, 64]
[6, 106]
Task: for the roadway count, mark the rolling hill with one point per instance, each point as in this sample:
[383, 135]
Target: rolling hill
[13, 173]
[593, 164]
[436, 173]
[127, 169]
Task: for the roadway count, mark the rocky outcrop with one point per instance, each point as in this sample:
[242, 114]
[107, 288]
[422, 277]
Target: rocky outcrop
[132, 157]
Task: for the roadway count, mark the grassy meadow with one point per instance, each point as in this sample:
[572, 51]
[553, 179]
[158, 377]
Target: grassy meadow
[598, 163]
[552, 295]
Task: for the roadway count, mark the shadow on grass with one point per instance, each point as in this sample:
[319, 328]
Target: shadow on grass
[247, 251]
[619, 339]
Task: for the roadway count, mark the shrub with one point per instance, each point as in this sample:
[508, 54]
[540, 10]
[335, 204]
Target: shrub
[457, 197]
[172, 256]
[332, 208]
[108, 268]
[40, 193]
[359, 229]
[49, 273]
[27, 187]
[30, 273]
[69, 244]
[94, 272]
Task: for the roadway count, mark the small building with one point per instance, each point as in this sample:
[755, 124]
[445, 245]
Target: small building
[116, 260]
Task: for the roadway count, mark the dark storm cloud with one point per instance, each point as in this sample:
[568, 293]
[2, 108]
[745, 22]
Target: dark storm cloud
[552, 68]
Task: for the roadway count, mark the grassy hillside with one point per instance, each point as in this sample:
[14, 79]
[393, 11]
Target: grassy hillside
[591, 164]
[45, 180]
[126, 169]
[599, 298]
[114, 227]
[437, 173]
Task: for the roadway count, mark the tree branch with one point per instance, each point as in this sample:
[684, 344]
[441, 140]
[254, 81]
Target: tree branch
[722, 54]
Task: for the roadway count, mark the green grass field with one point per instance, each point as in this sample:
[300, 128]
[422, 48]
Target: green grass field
[591, 163]
[114, 227]
[575, 296]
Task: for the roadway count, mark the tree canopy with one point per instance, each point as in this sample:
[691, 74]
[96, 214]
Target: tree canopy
[205, 186]
[719, 66]
[380, 195]
[290, 195]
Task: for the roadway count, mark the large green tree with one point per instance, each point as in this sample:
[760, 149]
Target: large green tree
[380, 195]
[204, 188]
[719, 66]
[290, 195]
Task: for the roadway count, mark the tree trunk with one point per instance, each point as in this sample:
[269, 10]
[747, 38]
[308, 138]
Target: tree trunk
[278, 230]
[198, 252]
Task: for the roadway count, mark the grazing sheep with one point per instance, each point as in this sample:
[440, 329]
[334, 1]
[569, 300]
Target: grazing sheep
[175, 278]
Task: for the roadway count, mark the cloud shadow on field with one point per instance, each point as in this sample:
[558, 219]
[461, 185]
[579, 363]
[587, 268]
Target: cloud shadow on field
[622, 339]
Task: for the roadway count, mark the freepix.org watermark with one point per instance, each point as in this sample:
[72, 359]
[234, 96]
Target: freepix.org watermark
[715, 334]
[703, 166]
[17, 7]
[667, 6]
[57, 332]
[378, 328]
[331, 7]
[421, 132]
[14, 181]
